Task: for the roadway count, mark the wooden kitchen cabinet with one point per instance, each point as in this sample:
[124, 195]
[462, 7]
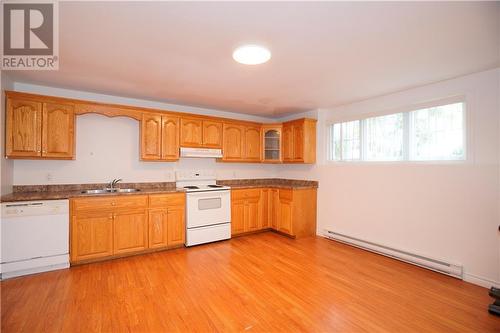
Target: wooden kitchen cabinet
[91, 236]
[242, 143]
[212, 134]
[107, 226]
[204, 133]
[245, 210]
[237, 215]
[272, 143]
[167, 223]
[233, 142]
[191, 132]
[39, 130]
[289, 211]
[265, 221]
[285, 211]
[169, 138]
[252, 144]
[299, 141]
[294, 211]
[130, 231]
[58, 131]
[151, 137]
[159, 137]
[23, 128]
[273, 207]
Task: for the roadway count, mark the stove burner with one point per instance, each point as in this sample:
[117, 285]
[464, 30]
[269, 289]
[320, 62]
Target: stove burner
[214, 186]
[191, 187]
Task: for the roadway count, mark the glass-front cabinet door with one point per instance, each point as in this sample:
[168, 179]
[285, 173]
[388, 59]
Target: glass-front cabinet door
[272, 144]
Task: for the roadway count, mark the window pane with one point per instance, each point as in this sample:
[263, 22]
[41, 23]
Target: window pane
[334, 149]
[350, 140]
[437, 133]
[384, 138]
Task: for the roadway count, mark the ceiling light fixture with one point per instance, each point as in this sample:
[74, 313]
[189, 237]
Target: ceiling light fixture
[251, 54]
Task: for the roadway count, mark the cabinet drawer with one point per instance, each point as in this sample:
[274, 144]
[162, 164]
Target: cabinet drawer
[286, 195]
[110, 203]
[164, 200]
[245, 193]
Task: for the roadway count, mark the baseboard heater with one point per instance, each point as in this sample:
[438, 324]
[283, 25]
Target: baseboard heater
[437, 265]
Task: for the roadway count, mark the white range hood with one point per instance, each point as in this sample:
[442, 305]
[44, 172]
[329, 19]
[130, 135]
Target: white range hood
[201, 152]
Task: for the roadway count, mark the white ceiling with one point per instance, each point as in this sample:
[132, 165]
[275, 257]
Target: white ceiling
[323, 53]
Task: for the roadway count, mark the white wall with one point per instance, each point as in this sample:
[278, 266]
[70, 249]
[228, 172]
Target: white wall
[108, 148]
[6, 166]
[448, 210]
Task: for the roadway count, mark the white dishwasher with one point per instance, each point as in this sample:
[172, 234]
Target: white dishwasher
[34, 237]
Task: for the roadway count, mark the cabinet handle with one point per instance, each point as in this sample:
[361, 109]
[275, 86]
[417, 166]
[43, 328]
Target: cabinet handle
[110, 216]
[113, 203]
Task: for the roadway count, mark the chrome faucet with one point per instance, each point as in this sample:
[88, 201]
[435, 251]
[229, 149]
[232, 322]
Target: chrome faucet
[113, 183]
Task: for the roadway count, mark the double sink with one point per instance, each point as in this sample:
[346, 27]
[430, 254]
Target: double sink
[111, 190]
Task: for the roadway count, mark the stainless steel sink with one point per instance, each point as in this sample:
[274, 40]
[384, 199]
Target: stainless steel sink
[95, 191]
[111, 190]
[127, 190]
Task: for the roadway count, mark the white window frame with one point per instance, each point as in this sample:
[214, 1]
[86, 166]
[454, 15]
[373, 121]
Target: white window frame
[468, 158]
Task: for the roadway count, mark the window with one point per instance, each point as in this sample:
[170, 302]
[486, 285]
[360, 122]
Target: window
[346, 143]
[384, 138]
[437, 133]
[430, 134]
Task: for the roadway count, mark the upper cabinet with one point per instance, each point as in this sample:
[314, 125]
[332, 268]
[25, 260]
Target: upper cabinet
[241, 143]
[197, 132]
[191, 132]
[43, 127]
[299, 141]
[159, 137]
[39, 130]
[212, 134]
[271, 143]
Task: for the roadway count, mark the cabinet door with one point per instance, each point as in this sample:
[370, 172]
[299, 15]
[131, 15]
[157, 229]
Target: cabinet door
[237, 216]
[298, 142]
[191, 132]
[285, 216]
[265, 213]
[23, 128]
[91, 236]
[158, 226]
[233, 142]
[130, 232]
[252, 144]
[151, 137]
[58, 130]
[176, 230]
[288, 142]
[252, 213]
[169, 138]
[212, 134]
[274, 206]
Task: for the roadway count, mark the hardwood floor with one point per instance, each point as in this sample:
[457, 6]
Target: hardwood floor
[261, 282]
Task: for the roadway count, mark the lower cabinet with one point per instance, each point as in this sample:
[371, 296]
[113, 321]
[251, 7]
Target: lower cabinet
[166, 227]
[288, 211]
[130, 231]
[91, 236]
[245, 210]
[117, 225]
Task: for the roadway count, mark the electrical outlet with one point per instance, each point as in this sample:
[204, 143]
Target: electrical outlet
[50, 177]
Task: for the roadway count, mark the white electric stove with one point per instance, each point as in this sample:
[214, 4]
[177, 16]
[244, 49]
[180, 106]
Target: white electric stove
[208, 207]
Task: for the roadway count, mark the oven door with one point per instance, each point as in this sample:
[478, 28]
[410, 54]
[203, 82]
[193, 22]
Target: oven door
[208, 208]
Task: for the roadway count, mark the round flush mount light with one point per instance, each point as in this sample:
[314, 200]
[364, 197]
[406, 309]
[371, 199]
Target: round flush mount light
[251, 54]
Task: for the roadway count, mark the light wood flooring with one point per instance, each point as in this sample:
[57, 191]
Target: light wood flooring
[258, 283]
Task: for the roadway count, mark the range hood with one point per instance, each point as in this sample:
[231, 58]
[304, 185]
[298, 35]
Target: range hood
[201, 152]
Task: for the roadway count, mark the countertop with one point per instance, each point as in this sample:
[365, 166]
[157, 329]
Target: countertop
[56, 192]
